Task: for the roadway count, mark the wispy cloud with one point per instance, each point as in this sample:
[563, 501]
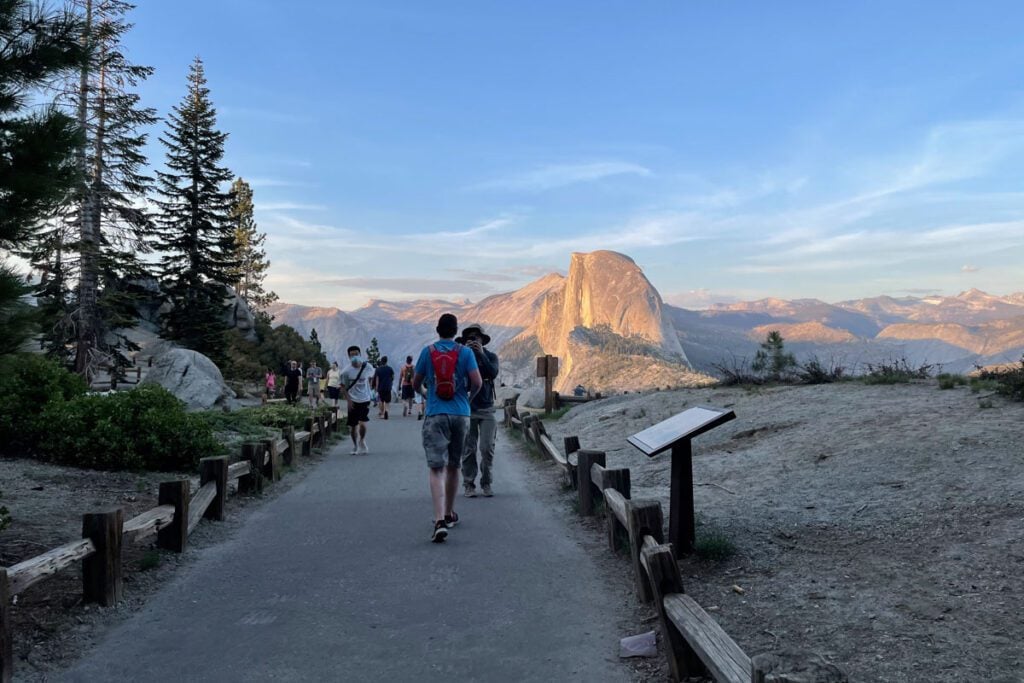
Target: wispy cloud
[482, 229]
[968, 268]
[412, 285]
[275, 182]
[554, 176]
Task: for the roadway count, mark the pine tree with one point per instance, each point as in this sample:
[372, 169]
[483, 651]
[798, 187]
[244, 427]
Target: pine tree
[195, 225]
[772, 357]
[373, 353]
[37, 163]
[314, 339]
[111, 229]
[248, 276]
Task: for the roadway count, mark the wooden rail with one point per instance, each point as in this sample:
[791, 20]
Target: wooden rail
[695, 644]
[174, 518]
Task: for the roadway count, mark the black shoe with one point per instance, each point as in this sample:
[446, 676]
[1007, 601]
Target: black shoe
[440, 532]
[452, 519]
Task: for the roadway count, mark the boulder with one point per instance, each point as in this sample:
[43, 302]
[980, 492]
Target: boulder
[240, 316]
[193, 378]
[532, 397]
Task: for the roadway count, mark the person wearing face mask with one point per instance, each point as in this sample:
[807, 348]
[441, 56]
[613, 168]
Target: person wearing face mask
[356, 387]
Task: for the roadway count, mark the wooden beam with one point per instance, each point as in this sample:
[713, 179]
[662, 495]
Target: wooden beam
[288, 434]
[272, 469]
[200, 502]
[6, 635]
[148, 523]
[215, 470]
[724, 659]
[662, 571]
[33, 570]
[238, 469]
[101, 571]
[681, 524]
[587, 490]
[322, 425]
[252, 482]
[645, 519]
[174, 536]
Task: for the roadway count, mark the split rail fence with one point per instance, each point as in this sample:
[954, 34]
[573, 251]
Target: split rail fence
[177, 514]
[695, 643]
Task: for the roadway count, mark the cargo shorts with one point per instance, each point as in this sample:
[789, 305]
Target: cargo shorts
[443, 439]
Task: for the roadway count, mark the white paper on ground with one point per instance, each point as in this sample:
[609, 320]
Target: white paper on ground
[641, 645]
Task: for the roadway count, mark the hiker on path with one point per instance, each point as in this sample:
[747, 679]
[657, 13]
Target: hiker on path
[450, 375]
[334, 383]
[482, 425]
[313, 375]
[356, 388]
[405, 374]
[293, 378]
[383, 382]
[270, 383]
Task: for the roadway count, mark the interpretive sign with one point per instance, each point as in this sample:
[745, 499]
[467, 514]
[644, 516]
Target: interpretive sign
[676, 433]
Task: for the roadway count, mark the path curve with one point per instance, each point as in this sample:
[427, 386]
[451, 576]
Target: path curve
[335, 580]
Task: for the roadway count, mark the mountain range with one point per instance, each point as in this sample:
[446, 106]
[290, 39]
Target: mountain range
[612, 331]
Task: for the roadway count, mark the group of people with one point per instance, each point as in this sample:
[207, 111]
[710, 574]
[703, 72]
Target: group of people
[452, 382]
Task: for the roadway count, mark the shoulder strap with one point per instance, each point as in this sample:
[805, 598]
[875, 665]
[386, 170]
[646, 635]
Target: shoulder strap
[353, 382]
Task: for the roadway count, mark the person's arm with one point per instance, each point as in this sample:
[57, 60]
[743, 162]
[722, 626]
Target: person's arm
[417, 382]
[488, 366]
[476, 382]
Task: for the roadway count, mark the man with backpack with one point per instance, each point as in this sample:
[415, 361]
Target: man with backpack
[482, 425]
[449, 373]
[405, 385]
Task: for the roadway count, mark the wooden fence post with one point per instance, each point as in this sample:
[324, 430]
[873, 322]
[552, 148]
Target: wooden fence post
[288, 434]
[252, 482]
[645, 519]
[659, 563]
[101, 571]
[216, 470]
[572, 445]
[174, 536]
[6, 639]
[794, 667]
[585, 460]
[272, 470]
[322, 424]
[307, 445]
[618, 479]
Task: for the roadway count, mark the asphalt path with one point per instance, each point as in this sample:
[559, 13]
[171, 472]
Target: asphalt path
[336, 580]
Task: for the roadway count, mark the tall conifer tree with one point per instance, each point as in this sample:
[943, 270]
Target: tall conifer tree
[252, 263]
[37, 163]
[195, 227]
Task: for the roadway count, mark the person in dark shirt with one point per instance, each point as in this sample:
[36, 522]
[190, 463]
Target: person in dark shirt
[384, 380]
[293, 378]
[482, 425]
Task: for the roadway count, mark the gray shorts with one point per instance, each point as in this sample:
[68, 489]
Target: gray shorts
[443, 439]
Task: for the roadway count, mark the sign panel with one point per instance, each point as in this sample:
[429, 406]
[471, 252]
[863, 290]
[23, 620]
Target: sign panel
[684, 425]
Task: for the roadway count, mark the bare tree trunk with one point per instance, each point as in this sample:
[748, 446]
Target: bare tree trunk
[88, 278]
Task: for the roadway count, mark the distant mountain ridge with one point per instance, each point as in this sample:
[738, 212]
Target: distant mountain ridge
[612, 330]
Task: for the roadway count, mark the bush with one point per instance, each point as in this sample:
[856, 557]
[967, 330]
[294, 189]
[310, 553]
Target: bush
[28, 385]
[950, 381]
[147, 428]
[1009, 383]
[895, 372]
[815, 372]
[5, 516]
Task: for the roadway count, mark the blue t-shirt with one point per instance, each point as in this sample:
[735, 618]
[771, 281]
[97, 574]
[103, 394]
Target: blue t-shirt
[459, 405]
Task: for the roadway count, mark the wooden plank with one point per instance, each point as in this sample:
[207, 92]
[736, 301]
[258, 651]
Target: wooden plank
[288, 452]
[552, 451]
[645, 519]
[618, 504]
[33, 570]
[174, 536]
[101, 571]
[197, 506]
[282, 445]
[724, 659]
[302, 436]
[662, 571]
[6, 636]
[238, 469]
[587, 490]
[215, 470]
[148, 523]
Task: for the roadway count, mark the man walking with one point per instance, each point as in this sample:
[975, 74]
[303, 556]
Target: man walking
[384, 379]
[355, 381]
[405, 385]
[293, 378]
[313, 374]
[482, 425]
[450, 375]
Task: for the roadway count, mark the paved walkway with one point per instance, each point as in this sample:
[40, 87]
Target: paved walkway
[336, 580]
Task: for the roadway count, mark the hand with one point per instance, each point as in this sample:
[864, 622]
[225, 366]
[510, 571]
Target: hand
[476, 346]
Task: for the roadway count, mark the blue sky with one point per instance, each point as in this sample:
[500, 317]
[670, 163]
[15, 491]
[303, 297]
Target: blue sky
[734, 149]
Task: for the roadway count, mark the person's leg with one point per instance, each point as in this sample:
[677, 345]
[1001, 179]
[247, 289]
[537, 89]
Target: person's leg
[488, 428]
[457, 442]
[451, 486]
[469, 469]
[353, 429]
[437, 491]
[362, 435]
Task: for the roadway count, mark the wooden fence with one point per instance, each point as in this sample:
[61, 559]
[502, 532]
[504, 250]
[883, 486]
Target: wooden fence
[695, 643]
[177, 514]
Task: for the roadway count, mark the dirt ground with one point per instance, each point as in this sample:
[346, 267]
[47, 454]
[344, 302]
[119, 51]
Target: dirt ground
[879, 526]
[51, 625]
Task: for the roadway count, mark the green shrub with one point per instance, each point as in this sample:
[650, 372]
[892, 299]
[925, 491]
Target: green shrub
[712, 544]
[1009, 383]
[816, 372]
[28, 384]
[950, 381]
[895, 372]
[147, 428]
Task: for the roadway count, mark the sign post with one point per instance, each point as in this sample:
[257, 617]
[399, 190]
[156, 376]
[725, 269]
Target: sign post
[547, 367]
[676, 433]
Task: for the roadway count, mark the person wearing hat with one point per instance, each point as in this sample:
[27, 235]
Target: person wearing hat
[482, 425]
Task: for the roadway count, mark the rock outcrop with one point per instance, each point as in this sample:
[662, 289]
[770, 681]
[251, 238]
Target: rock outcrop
[193, 378]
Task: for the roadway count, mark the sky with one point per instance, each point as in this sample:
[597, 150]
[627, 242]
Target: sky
[735, 150]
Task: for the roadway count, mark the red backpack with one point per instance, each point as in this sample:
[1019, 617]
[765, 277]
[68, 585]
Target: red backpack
[445, 363]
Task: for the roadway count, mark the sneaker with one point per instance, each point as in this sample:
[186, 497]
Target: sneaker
[487, 491]
[363, 448]
[385, 416]
[355, 450]
[420, 416]
[440, 532]
[452, 519]
[470, 491]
